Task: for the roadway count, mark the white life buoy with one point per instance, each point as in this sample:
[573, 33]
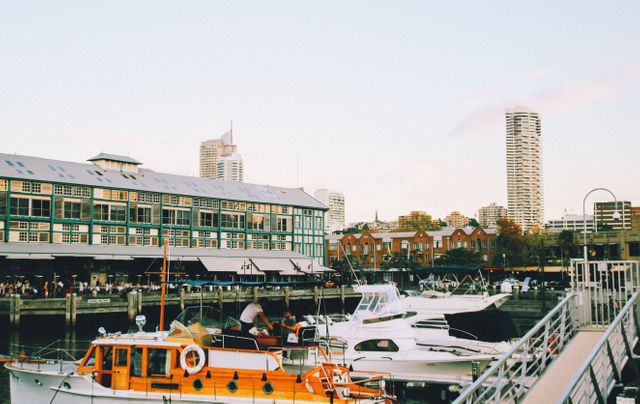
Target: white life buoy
[183, 358]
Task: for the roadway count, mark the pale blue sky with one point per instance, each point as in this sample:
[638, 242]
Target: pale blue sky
[398, 104]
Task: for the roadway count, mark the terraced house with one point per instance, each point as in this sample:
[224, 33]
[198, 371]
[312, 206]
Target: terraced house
[112, 201]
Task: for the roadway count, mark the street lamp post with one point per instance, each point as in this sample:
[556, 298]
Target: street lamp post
[616, 216]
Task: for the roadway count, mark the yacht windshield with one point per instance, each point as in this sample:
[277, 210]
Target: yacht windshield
[378, 300]
[208, 317]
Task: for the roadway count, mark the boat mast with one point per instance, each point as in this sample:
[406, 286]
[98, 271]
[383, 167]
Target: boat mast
[164, 285]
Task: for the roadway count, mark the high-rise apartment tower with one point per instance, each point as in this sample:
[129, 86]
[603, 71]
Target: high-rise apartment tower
[229, 167]
[211, 150]
[334, 220]
[525, 199]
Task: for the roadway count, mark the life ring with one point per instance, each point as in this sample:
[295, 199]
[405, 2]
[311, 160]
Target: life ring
[188, 361]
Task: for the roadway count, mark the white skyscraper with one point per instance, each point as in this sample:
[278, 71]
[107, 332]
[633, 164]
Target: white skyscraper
[211, 150]
[334, 220]
[229, 167]
[525, 200]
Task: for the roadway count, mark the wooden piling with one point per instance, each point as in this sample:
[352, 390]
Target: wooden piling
[139, 301]
[342, 296]
[287, 293]
[255, 294]
[67, 310]
[220, 297]
[131, 306]
[182, 297]
[74, 309]
[316, 295]
[14, 311]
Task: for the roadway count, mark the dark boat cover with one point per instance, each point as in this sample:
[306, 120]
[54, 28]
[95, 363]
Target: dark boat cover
[490, 325]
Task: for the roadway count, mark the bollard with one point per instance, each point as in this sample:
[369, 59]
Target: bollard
[182, 298]
[67, 310]
[74, 309]
[131, 306]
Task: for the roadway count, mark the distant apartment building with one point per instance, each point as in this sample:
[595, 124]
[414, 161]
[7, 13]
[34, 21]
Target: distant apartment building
[488, 216]
[211, 150]
[335, 202]
[603, 215]
[230, 167]
[575, 223]
[456, 220]
[524, 168]
[635, 218]
[415, 216]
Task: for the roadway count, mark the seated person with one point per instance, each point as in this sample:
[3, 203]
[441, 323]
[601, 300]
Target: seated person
[200, 334]
[288, 325]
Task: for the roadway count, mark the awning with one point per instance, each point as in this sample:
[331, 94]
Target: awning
[29, 257]
[280, 265]
[113, 258]
[309, 267]
[240, 266]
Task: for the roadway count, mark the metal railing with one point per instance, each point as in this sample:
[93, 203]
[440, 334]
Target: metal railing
[511, 376]
[602, 369]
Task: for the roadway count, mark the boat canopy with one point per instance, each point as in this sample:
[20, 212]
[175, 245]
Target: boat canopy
[378, 301]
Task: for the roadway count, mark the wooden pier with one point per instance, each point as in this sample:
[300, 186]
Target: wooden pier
[72, 305]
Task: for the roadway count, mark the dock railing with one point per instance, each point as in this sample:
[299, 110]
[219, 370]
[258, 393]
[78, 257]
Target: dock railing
[602, 369]
[513, 374]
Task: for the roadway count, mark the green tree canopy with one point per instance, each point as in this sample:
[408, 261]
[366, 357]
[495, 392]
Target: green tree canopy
[460, 256]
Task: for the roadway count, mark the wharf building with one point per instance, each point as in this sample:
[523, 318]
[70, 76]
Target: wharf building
[525, 200]
[425, 246]
[335, 216]
[113, 210]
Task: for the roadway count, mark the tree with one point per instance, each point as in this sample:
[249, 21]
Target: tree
[566, 242]
[460, 256]
[473, 222]
[510, 242]
[400, 261]
[418, 221]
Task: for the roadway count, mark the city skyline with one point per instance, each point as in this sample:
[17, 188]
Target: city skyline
[420, 88]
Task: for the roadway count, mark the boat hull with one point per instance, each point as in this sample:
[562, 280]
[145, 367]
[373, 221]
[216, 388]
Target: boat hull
[46, 384]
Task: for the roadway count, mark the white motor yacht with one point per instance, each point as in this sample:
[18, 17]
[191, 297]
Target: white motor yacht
[377, 337]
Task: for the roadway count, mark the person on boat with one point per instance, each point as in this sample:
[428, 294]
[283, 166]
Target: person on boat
[200, 334]
[252, 311]
[288, 324]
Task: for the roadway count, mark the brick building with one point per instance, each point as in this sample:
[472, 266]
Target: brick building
[374, 248]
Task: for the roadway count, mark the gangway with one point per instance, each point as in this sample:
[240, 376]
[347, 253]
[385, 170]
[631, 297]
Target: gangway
[576, 353]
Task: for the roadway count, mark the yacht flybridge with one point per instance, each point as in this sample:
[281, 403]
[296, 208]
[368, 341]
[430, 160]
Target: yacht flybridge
[176, 367]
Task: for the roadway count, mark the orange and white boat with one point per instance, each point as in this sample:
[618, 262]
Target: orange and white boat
[175, 367]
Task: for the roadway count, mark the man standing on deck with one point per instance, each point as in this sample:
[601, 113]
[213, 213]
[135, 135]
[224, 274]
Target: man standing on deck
[250, 313]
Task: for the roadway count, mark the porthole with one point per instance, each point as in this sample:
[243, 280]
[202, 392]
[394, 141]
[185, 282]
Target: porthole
[197, 384]
[267, 388]
[232, 386]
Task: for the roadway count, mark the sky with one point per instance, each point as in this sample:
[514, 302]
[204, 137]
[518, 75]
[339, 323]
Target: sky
[398, 104]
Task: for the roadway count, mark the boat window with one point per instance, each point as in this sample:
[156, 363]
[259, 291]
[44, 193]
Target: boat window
[157, 363]
[121, 357]
[91, 359]
[377, 345]
[136, 362]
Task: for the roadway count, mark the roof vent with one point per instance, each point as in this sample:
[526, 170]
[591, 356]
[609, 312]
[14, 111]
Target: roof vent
[124, 164]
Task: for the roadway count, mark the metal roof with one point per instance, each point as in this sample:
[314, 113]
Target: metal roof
[40, 169]
[36, 250]
[114, 157]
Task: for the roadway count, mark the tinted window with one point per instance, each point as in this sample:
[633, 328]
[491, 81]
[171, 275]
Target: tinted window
[121, 357]
[157, 362]
[136, 362]
[377, 345]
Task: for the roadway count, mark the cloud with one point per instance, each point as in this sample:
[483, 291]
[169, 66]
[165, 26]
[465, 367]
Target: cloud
[560, 99]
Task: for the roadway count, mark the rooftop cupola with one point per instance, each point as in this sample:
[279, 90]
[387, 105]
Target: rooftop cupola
[115, 162]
